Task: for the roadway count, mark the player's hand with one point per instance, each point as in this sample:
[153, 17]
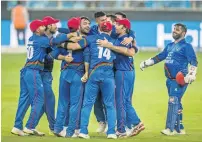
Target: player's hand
[75, 39]
[103, 43]
[127, 41]
[191, 76]
[146, 63]
[85, 77]
[68, 58]
[142, 65]
[73, 34]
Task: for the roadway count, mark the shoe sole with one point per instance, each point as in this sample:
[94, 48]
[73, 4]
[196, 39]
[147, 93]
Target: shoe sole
[19, 134]
[167, 134]
[138, 131]
[82, 137]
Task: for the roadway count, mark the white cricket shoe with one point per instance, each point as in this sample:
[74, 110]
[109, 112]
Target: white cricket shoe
[62, 133]
[112, 136]
[33, 132]
[76, 133]
[128, 131]
[182, 132]
[18, 132]
[167, 132]
[101, 128]
[121, 135]
[28, 131]
[84, 136]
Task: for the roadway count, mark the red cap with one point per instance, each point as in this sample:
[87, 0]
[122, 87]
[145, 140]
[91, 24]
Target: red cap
[35, 24]
[124, 22]
[180, 78]
[74, 23]
[106, 26]
[48, 20]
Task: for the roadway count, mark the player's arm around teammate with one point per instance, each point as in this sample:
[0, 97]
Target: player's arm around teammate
[124, 77]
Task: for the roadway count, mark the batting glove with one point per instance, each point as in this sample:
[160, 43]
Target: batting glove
[191, 76]
[146, 63]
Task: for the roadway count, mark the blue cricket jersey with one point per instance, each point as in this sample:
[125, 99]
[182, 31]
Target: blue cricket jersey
[48, 62]
[95, 53]
[177, 57]
[36, 49]
[77, 55]
[122, 62]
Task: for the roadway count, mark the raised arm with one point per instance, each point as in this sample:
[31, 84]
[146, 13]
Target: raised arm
[156, 59]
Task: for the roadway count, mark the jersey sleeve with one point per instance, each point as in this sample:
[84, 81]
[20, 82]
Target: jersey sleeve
[85, 41]
[161, 56]
[63, 30]
[59, 39]
[93, 30]
[46, 42]
[191, 56]
[132, 34]
[55, 53]
[86, 55]
[113, 33]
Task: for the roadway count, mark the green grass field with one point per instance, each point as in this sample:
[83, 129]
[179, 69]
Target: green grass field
[150, 100]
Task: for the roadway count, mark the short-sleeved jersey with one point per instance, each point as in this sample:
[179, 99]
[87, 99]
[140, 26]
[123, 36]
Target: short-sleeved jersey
[177, 57]
[122, 62]
[96, 53]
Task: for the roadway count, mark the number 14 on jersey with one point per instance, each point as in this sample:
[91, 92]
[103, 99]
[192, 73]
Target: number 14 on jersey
[106, 53]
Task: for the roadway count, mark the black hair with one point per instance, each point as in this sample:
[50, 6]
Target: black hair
[72, 30]
[122, 14]
[84, 17]
[113, 17]
[184, 27]
[127, 30]
[99, 14]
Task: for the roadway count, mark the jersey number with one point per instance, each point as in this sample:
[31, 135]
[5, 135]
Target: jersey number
[106, 53]
[30, 52]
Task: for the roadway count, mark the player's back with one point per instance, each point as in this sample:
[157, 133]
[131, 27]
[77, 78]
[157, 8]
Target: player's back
[98, 54]
[36, 52]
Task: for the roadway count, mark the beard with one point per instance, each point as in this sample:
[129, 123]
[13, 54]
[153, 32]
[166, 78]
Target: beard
[53, 32]
[176, 36]
[84, 31]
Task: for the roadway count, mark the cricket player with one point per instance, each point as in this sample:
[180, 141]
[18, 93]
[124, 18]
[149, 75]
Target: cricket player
[71, 88]
[99, 110]
[101, 77]
[124, 80]
[46, 75]
[177, 56]
[31, 85]
[83, 30]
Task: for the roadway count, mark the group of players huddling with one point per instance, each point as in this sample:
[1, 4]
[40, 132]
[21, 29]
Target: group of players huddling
[97, 69]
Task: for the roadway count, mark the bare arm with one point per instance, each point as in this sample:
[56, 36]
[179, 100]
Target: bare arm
[66, 58]
[119, 49]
